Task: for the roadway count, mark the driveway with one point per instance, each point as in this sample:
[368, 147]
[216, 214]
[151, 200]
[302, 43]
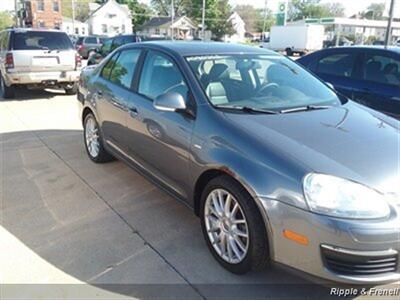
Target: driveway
[68, 221]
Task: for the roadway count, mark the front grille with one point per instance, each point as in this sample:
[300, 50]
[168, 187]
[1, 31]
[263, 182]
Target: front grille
[358, 263]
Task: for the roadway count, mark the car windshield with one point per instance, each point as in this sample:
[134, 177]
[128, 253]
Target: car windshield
[41, 40]
[259, 82]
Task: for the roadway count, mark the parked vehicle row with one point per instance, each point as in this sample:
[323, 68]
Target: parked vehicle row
[368, 75]
[37, 59]
[113, 43]
[278, 166]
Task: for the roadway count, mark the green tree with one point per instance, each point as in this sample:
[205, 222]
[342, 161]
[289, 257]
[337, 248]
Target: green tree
[254, 18]
[163, 7]
[334, 9]
[6, 20]
[216, 16]
[374, 11]
[299, 9]
[81, 9]
[140, 12]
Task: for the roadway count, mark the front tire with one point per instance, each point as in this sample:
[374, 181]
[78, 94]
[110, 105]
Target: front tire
[93, 140]
[233, 226]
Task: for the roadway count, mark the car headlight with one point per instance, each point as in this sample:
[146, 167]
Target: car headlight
[338, 197]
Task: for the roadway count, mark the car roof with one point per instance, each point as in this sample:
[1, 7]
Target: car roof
[35, 29]
[371, 47]
[205, 48]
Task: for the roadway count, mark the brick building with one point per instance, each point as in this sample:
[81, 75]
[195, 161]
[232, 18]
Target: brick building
[43, 14]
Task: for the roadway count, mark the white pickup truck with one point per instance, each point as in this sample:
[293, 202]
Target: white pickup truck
[37, 58]
[295, 39]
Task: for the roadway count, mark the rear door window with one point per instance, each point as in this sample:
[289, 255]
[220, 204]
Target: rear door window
[337, 64]
[381, 69]
[41, 40]
[124, 68]
[91, 40]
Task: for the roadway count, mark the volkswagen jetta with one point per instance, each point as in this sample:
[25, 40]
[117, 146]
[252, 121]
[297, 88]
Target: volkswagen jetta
[276, 164]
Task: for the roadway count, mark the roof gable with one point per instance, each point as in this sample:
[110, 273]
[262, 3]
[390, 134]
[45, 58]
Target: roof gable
[108, 5]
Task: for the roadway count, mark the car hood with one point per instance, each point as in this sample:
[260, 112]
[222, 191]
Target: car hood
[349, 141]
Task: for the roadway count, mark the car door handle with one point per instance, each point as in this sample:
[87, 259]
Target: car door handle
[117, 103]
[133, 112]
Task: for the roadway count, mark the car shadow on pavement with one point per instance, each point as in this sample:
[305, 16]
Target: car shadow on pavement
[23, 94]
[106, 225]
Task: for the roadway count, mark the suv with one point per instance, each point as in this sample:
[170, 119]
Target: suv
[88, 45]
[109, 45]
[37, 59]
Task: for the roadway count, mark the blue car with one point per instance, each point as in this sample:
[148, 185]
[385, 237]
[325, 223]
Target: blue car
[368, 75]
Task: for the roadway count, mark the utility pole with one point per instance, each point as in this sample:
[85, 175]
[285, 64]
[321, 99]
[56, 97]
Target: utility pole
[265, 19]
[73, 16]
[16, 19]
[388, 35]
[172, 18]
[203, 18]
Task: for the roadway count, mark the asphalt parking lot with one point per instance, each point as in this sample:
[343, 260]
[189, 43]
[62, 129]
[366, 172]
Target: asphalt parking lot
[65, 219]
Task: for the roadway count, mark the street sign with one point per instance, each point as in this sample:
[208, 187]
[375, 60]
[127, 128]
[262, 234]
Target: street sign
[281, 15]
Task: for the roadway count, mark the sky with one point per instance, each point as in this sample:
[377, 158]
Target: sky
[352, 6]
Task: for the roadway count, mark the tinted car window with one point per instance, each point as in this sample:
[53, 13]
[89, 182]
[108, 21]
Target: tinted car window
[106, 47]
[79, 41]
[38, 40]
[118, 41]
[161, 75]
[340, 64]
[382, 69]
[106, 71]
[91, 40]
[124, 68]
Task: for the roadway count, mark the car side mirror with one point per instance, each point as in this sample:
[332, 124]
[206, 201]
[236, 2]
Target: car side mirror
[170, 101]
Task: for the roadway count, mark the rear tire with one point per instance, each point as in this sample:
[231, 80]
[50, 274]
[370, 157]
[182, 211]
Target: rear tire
[71, 90]
[6, 92]
[90, 53]
[289, 52]
[256, 253]
[94, 141]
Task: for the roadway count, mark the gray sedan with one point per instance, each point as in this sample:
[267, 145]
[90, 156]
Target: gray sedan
[277, 165]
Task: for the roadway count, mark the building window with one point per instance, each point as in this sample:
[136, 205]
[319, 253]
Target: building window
[104, 28]
[76, 30]
[83, 31]
[56, 6]
[40, 5]
[41, 24]
[57, 25]
[157, 30]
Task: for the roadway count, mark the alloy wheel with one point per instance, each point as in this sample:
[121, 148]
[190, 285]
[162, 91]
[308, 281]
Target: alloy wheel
[226, 226]
[92, 137]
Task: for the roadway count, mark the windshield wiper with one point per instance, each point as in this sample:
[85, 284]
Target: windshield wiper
[304, 108]
[249, 109]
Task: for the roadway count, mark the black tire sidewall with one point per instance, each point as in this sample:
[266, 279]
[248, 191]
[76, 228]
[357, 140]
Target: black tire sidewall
[248, 206]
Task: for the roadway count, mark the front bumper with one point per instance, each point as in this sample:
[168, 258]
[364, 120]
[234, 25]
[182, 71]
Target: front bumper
[37, 78]
[340, 250]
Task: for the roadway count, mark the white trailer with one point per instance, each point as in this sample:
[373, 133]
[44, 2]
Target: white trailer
[295, 39]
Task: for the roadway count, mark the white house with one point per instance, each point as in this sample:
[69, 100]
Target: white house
[239, 27]
[75, 28]
[110, 19]
[183, 28]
